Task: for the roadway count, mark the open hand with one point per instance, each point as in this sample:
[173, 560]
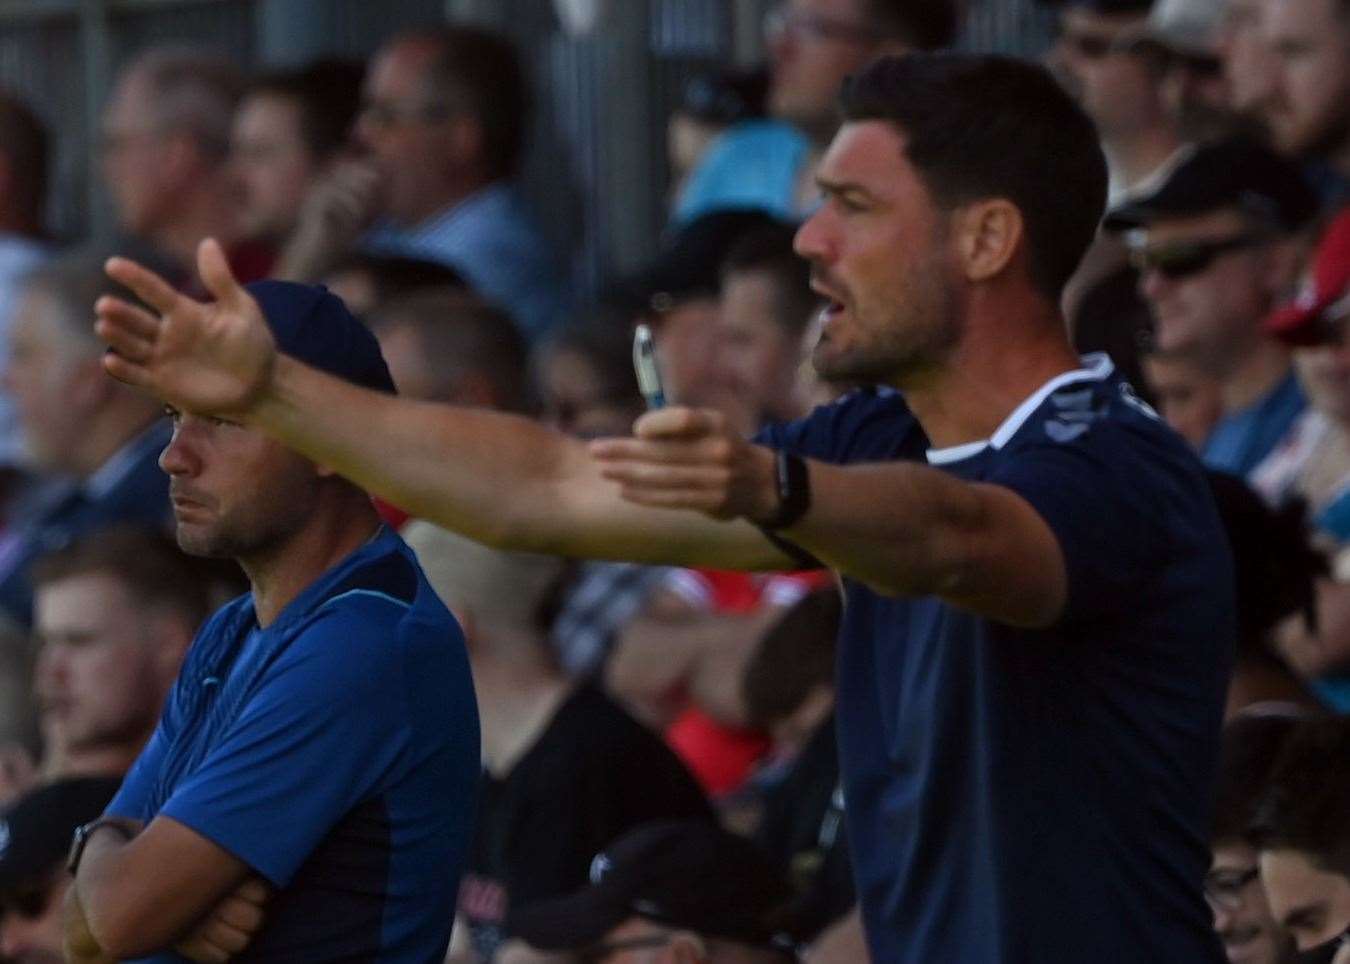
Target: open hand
[230, 927]
[211, 359]
[687, 458]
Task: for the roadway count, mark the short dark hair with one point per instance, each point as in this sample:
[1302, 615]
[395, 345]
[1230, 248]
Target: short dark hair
[769, 250]
[480, 71]
[327, 93]
[983, 126]
[922, 24]
[1305, 808]
[23, 139]
[1247, 755]
[795, 656]
[460, 333]
[153, 569]
[192, 90]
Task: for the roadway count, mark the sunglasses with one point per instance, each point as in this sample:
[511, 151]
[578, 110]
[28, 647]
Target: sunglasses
[1183, 259]
[1091, 46]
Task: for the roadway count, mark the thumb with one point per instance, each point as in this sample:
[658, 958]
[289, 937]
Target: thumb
[215, 273]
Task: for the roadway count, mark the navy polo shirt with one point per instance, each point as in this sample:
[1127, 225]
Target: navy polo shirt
[336, 752]
[1041, 796]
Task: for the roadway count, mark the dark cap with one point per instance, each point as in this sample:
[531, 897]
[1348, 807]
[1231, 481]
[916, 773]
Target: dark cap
[312, 324]
[1108, 8]
[690, 265]
[1237, 172]
[35, 832]
[684, 874]
[1317, 314]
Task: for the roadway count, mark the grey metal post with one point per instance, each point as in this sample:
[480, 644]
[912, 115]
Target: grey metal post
[96, 58]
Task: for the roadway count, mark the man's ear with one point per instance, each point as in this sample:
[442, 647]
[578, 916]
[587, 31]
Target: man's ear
[988, 234]
[686, 947]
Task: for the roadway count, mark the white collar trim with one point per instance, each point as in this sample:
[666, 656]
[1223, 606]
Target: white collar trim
[1096, 367]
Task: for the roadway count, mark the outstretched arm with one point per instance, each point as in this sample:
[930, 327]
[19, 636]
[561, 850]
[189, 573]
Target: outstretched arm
[495, 477]
[902, 528]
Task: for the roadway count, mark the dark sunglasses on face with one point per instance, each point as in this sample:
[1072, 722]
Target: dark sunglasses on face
[1182, 259]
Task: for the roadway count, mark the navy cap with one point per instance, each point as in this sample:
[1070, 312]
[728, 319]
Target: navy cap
[35, 832]
[686, 874]
[1237, 172]
[312, 324]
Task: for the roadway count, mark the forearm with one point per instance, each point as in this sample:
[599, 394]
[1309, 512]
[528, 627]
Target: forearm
[912, 530]
[111, 903]
[498, 478]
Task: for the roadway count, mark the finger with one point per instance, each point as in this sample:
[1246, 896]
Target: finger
[240, 913]
[127, 316]
[645, 475]
[129, 345]
[221, 934]
[665, 499]
[255, 890]
[216, 275]
[128, 371]
[678, 421]
[711, 451]
[149, 287]
[197, 949]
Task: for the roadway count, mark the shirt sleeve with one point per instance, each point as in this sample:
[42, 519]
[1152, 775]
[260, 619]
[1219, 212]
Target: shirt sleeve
[1108, 507]
[323, 731]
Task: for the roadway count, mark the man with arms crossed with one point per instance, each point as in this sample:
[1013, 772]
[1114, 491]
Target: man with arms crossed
[322, 734]
[1038, 629]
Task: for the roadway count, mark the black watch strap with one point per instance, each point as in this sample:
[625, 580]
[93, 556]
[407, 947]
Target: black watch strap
[85, 831]
[793, 482]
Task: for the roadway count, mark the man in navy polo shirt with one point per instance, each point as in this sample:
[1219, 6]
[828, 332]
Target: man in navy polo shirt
[1039, 621]
[322, 735]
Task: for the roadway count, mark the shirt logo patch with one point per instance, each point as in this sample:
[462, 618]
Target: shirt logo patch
[600, 866]
[1065, 431]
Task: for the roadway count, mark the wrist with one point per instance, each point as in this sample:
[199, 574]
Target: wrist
[86, 835]
[791, 492]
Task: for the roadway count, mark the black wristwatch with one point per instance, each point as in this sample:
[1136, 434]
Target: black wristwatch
[793, 482]
[85, 831]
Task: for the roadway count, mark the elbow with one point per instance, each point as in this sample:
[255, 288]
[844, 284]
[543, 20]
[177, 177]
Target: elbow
[120, 928]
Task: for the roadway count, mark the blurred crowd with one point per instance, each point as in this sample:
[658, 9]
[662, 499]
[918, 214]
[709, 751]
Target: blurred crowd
[660, 776]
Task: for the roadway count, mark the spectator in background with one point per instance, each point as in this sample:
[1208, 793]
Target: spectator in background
[813, 45]
[113, 614]
[712, 102]
[34, 838]
[1307, 105]
[1218, 243]
[1187, 396]
[1303, 838]
[788, 687]
[765, 307]
[102, 438]
[445, 345]
[288, 129]
[364, 280]
[1311, 467]
[670, 892]
[23, 196]
[1242, 915]
[677, 295]
[165, 145]
[1249, 64]
[566, 769]
[1120, 86]
[1184, 39]
[443, 117]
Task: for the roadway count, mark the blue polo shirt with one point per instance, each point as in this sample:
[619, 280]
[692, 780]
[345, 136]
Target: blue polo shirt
[336, 752]
[1041, 796]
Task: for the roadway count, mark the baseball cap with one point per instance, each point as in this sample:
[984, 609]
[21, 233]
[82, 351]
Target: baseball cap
[1236, 172]
[690, 265]
[1324, 297]
[685, 874]
[35, 832]
[1106, 7]
[312, 324]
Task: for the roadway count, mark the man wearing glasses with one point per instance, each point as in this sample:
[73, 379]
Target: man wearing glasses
[1216, 245]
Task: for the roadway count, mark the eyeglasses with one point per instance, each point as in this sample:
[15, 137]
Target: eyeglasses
[1224, 888]
[1182, 259]
[781, 21]
[388, 114]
